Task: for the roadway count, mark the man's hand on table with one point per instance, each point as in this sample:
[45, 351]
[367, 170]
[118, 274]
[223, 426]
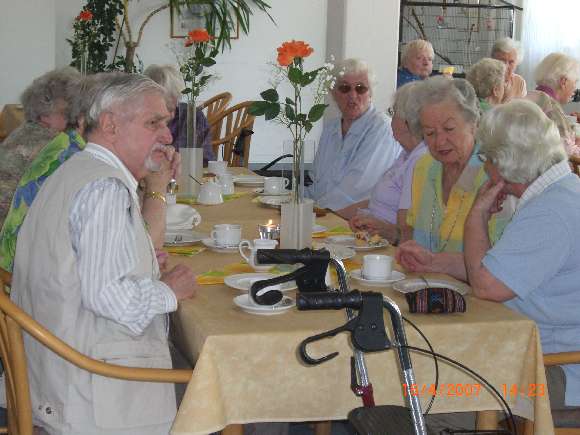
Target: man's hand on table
[181, 280]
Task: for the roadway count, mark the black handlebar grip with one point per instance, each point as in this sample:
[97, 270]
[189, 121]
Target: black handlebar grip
[291, 256]
[329, 300]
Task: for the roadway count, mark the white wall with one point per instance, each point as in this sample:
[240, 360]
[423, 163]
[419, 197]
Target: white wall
[27, 44]
[356, 28]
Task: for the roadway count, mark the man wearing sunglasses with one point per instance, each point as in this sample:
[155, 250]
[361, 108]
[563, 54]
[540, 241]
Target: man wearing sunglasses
[356, 149]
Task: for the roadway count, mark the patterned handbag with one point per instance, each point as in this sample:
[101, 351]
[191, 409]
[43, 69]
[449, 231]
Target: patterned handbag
[436, 300]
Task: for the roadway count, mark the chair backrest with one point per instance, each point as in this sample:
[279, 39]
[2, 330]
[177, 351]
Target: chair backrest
[12, 321]
[234, 127]
[215, 105]
[575, 163]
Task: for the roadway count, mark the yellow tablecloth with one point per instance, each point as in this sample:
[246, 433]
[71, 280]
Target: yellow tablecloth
[247, 369]
[12, 116]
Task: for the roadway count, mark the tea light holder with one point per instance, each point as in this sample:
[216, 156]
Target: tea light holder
[269, 231]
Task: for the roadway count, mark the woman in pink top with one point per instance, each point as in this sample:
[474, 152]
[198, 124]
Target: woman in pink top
[385, 212]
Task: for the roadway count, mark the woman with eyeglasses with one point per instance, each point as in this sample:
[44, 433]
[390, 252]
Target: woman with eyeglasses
[386, 211]
[355, 149]
[445, 181]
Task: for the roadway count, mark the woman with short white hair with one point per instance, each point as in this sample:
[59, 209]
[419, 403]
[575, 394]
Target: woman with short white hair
[487, 77]
[416, 62]
[356, 148]
[556, 79]
[535, 266]
[510, 52]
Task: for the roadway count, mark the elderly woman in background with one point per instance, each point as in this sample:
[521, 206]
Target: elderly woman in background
[47, 110]
[556, 78]
[445, 181]
[356, 149]
[509, 52]
[171, 80]
[487, 77]
[416, 62]
[391, 197]
[535, 266]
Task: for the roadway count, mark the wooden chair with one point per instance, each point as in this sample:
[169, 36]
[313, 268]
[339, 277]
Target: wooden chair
[558, 359]
[12, 321]
[214, 107]
[234, 129]
[575, 164]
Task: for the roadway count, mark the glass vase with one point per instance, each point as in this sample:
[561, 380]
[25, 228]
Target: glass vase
[297, 219]
[191, 153]
[84, 60]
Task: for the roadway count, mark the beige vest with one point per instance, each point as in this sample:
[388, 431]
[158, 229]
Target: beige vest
[66, 399]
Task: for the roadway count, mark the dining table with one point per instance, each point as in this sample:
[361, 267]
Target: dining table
[247, 368]
[11, 116]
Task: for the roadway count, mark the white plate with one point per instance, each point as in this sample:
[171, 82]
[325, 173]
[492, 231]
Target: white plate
[413, 284]
[243, 281]
[264, 310]
[273, 201]
[260, 191]
[183, 237]
[350, 241]
[249, 180]
[339, 251]
[395, 276]
[222, 250]
[318, 228]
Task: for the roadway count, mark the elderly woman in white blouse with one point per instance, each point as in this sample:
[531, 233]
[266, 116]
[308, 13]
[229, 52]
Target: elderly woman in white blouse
[355, 149]
[510, 53]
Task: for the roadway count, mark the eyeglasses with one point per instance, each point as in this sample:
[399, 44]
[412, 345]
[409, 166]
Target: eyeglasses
[358, 88]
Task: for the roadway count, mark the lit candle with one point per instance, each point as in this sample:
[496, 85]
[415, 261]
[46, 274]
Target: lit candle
[269, 230]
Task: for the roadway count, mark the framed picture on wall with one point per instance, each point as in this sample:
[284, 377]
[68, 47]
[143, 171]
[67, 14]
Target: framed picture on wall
[191, 17]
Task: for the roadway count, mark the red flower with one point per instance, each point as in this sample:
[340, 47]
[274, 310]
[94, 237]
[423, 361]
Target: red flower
[85, 15]
[197, 35]
[291, 49]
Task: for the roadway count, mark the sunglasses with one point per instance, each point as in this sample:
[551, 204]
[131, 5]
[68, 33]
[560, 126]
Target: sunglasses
[358, 88]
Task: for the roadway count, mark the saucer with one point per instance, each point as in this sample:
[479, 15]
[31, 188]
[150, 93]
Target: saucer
[243, 281]
[273, 201]
[260, 191]
[338, 251]
[221, 249]
[395, 276]
[264, 310]
[413, 284]
[318, 228]
[182, 237]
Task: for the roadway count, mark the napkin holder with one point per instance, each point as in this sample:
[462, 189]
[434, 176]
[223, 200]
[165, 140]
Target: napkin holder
[309, 278]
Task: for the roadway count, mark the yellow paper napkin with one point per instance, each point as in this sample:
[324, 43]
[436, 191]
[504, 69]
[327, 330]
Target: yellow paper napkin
[336, 231]
[218, 276]
[187, 251]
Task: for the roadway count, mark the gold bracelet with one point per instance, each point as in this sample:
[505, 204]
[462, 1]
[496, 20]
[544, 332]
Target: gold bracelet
[156, 195]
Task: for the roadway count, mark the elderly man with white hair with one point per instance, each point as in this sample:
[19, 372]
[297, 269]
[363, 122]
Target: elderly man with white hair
[86, 269]
[535, 266]
[416, 62]
[355, 149]
[510, 53]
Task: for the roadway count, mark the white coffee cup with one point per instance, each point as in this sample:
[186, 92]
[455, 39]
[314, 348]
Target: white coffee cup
[253, 247]
[226, 182]
[218, 167]
[275, 185]
[377, 267]
[226, 235]
[210, 193]
[261, 292]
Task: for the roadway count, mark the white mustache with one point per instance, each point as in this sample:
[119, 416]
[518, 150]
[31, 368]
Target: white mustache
[151, 164]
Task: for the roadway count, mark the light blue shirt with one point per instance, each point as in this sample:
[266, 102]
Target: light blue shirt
[538, 258]
[346, 169]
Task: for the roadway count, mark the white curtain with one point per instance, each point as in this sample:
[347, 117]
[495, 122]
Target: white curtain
[548, 26]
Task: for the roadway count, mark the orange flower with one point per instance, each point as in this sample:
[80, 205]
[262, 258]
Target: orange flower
[197, 35]
[85, 16]
[289, 50]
